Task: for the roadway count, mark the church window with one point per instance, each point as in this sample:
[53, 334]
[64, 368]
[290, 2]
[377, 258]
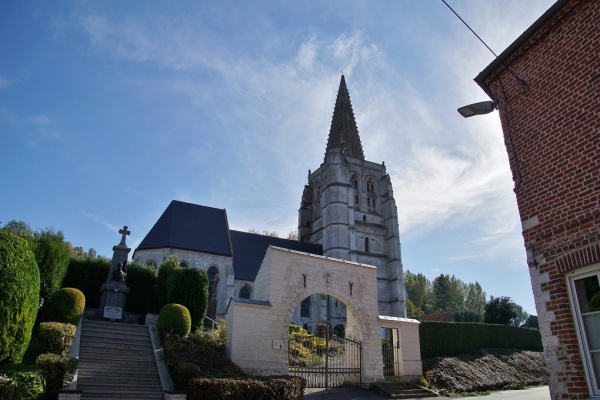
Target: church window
[151, 263]
[183, 264]
[245, 292]
[364, 218]
[354, 182]
[356, 200]
[367, 244]
[370, 186]
[305, 308]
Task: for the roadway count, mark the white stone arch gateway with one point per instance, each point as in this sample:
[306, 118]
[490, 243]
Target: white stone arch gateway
[257, 329]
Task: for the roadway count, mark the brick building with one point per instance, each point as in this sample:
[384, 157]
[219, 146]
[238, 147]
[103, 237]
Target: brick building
[547, 89]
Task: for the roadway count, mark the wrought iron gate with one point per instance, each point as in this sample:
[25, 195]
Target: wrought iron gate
[327, 361]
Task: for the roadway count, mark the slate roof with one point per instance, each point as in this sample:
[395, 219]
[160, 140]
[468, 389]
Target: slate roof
[343, 125]
[250, 248]
[187, 226]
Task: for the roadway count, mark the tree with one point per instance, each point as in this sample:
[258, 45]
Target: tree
[475, 299]
[500, 310]
[189, 287]
[293, 235]
[19, 228]
[52, 256]
[19, 296]
[418, 290]
[449, 293]
[413, 311]
[521, 317]
[264, 232]
[165, 272]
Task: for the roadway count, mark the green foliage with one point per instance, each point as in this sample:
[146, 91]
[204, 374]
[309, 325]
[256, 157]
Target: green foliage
[52, 256]
[413, 311]
[165, 271]
[189, 287]
[419, 291]
[20, 386]
[467, 316]
[20, 228]
[174, 318]
[56, 337]
[19, 296]
[183, 372]
[276, 388]
[54, 368]
[475, 299]
[65, 305]
[500, 310]
[449, 293]
[87, 274]
[439, 339]
[141, 280]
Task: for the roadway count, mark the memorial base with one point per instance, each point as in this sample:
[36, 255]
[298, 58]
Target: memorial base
[112, 300]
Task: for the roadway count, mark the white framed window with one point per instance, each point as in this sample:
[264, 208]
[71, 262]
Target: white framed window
[584, 289]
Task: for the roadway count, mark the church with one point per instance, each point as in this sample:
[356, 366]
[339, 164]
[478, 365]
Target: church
[347, 212]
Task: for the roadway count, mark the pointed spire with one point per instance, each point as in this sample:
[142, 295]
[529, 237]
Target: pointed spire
[343, 133]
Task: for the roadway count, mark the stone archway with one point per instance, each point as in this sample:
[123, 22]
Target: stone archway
[257, 329]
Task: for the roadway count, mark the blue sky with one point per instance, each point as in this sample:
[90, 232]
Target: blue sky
[110, 110]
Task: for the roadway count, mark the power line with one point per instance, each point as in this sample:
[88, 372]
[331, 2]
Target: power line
[467, 25]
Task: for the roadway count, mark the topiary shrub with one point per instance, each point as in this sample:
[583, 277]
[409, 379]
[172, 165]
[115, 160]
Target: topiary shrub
[54, 368]
[174, 318]
[19, 296]
[65, 305]
[56, 337]
[189, 287]
[165, 272]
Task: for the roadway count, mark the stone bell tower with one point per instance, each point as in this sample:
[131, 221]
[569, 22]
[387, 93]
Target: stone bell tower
[348, 207]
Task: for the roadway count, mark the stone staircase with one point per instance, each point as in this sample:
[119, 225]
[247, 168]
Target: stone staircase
[116, 361]
[399, 390]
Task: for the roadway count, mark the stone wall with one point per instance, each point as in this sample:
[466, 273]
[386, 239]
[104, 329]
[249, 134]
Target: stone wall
[257, 334]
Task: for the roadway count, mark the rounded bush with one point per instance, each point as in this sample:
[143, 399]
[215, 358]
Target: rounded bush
[19, 296]
[56, 337]
[65, 305]
[174, 318]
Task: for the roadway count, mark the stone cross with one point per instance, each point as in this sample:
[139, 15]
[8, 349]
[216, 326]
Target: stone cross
[125, 233]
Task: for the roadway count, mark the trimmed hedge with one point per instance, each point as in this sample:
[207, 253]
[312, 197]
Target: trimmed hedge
[189, 287]
[439, 339]
[56, 337]
[66, 305]
[87, 274]
[53, 369]
[174, 318]
[141, 280]
[277, 388]
[19, 296]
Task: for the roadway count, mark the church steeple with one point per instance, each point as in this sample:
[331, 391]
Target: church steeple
[343, 133]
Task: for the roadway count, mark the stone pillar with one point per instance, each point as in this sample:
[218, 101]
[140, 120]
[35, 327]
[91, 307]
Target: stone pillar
[114, 290]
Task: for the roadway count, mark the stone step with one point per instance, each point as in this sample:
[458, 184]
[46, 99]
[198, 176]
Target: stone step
[114, 335]
[145, 355]
[107, 368]
[128, 387]
[114, 394]
[118, 379]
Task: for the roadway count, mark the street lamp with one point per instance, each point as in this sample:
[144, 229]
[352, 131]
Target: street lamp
[484, 107]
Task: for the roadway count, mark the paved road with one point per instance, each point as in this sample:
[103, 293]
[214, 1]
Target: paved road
[540, 393]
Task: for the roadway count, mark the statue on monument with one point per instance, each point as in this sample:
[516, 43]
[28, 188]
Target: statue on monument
[119, 275]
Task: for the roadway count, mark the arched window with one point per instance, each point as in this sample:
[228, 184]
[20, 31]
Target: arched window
[183, 264]
[370, 186]
[356, 200]
[354, 182]
[151, 263]
[317, 192]
[367, 244]
[245, 292]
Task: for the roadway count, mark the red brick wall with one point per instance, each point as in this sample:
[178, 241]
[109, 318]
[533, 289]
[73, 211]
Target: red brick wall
[552, 134]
